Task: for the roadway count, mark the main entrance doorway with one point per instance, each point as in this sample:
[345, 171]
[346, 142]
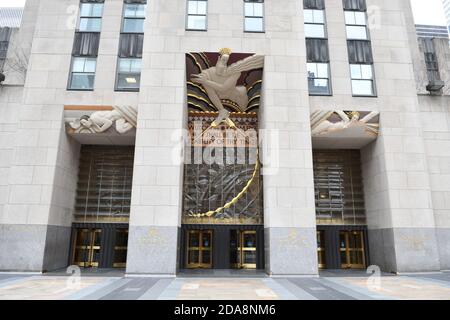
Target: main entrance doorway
[87, 247]
[222, 247]
[243, 246]
[99, 245]
[199, 250]
[352, 250]
[342, 247]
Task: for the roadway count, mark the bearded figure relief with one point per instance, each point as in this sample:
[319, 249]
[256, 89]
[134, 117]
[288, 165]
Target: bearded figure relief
[225, 87]
[223, 92]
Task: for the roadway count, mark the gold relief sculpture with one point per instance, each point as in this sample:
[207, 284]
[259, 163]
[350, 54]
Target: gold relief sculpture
[223, 83]
[223, 93]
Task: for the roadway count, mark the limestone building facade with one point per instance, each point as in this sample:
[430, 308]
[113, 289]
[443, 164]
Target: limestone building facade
[350, 109]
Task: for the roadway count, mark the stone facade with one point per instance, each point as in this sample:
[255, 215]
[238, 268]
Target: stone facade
[406, 171]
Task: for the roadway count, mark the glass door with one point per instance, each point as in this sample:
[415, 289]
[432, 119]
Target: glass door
[321, 249]
[199, 250]
[87, 248]
[248, 249]
[243, 249]
[352, 250]
[120, 248]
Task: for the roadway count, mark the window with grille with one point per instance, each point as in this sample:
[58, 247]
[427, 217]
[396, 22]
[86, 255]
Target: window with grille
[338, 187]
[104, 184]
[208, 187]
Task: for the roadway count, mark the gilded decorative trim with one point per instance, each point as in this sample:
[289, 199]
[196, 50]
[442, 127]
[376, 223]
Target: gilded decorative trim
[253, 85]
[197, 86]
[205, 59]
[195, 61]
[191, 95]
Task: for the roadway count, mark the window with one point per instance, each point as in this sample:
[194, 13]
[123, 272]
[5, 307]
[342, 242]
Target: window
[196, 14]
[128, 77]
[338, 185]
[134, 18]
[432, 65]
[318, 78]
[362, 79]
[359, 48]
[431, 61]
[104, 184]
[254, 15]
[82, 74]
[314, 23]
[3, 53]
[85, 46]
[90, 17]
[317, 52]
[356, 25]
[129, 74]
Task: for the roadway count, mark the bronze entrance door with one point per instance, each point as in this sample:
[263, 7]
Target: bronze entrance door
[199, 249]
[120, 248]
[243, 249]
[87, 245]
[352, 253]
[321, 249]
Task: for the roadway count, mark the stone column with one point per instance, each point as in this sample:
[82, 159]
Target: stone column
[158, 179]
[35, 224]
[289, 210]
[400, 216]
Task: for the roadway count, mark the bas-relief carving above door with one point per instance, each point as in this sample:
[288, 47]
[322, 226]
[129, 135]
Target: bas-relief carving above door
[223, 93]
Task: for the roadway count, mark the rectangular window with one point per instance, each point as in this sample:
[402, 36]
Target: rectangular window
[431, 61]
[318, 57]
[85, 46]
[197, 11]
[362, 79]
[3, 53]
[356, 25]
[318, 78]
[104, 184]
[128, 74]
[314, 23]
[254, 15]
[90, 17]
[82, 73]
[339, 189]
[359, 48]
[134, 18]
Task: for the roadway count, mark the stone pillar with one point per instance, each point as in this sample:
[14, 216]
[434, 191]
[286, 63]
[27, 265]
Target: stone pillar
[158, 179]
[402, 236]
[35, 223]
[289, 210]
